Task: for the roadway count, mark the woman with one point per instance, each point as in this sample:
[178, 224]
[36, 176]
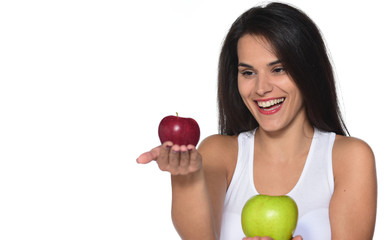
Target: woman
[281, 134]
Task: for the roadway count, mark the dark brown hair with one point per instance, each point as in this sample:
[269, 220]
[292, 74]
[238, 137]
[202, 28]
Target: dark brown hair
[299, 45]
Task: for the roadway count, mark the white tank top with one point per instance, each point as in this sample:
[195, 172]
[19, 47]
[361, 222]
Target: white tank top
[312, 192]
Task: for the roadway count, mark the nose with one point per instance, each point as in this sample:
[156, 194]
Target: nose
[263, 85]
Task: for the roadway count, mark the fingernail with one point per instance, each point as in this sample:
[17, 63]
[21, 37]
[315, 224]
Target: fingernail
[184, 148]
[169, 145]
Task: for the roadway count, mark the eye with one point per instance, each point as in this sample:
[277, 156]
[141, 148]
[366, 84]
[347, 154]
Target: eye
[247, 73]
[279, 70]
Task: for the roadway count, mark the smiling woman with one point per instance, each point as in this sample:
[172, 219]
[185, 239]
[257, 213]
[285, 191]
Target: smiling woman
[297, 43]
[84, 84]
[281, 133]
[269, 93]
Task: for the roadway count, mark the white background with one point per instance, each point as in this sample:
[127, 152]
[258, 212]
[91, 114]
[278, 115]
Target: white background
[84, 84]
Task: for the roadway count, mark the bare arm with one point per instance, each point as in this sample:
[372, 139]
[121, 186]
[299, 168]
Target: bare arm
[353, 204]
[192, 212]
[203, 198]
[198, 186]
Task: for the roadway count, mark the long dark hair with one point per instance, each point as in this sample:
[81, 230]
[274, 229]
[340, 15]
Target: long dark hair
[299, 45]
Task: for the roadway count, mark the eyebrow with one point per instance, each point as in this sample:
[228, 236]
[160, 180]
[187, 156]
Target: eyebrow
[274, 63]
[250, 66]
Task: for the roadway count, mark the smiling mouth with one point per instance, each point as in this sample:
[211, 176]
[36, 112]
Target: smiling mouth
[270, 103]
[270, 106]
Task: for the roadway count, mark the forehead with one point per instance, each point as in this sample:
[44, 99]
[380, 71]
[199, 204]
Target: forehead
[254, 46]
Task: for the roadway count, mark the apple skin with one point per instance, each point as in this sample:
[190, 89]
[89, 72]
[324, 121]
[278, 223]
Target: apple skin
[271, 216]
[179, 130]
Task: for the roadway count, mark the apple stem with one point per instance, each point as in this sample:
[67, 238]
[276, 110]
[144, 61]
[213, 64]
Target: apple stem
[177, 114]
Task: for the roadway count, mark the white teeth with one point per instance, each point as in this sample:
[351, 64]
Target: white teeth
[270, 102]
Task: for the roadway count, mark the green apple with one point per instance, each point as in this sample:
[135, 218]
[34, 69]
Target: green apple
[271, 216]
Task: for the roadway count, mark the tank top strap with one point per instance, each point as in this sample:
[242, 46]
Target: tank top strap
[240, 185]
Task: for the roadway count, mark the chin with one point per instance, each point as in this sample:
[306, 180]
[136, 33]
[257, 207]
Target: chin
[271, 126]
[271, 130]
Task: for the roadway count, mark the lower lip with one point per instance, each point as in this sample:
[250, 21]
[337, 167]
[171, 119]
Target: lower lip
[271, 111]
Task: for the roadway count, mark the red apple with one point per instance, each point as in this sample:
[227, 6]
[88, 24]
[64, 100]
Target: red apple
[179, 130]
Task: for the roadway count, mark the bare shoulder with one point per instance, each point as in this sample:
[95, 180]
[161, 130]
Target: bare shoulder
[355, 189]
[351, 148]
[216, 141]
[218, 146]
[351, 153]
[219, 150]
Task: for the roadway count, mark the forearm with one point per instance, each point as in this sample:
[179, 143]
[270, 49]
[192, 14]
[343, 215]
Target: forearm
[192, 212]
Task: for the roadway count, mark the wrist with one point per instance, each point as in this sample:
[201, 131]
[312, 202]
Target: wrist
[188, 179]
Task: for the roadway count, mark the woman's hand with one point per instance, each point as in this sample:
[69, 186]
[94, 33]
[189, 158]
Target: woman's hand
[178, 160]
[268, 238]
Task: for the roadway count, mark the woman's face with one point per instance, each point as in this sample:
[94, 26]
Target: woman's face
[267, 90]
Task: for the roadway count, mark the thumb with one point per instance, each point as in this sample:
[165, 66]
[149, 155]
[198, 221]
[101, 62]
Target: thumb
[149, 156]
[298, 237]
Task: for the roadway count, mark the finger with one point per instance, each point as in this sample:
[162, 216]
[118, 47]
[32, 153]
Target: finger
[195, 157]
[184, 159]
[174, 158]
[149, 156]
[298, 238]
[163, 159]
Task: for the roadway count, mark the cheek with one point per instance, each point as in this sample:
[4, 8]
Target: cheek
[244, 87]
[298, 99]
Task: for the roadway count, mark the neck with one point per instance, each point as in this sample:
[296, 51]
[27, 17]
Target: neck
[284, 145]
